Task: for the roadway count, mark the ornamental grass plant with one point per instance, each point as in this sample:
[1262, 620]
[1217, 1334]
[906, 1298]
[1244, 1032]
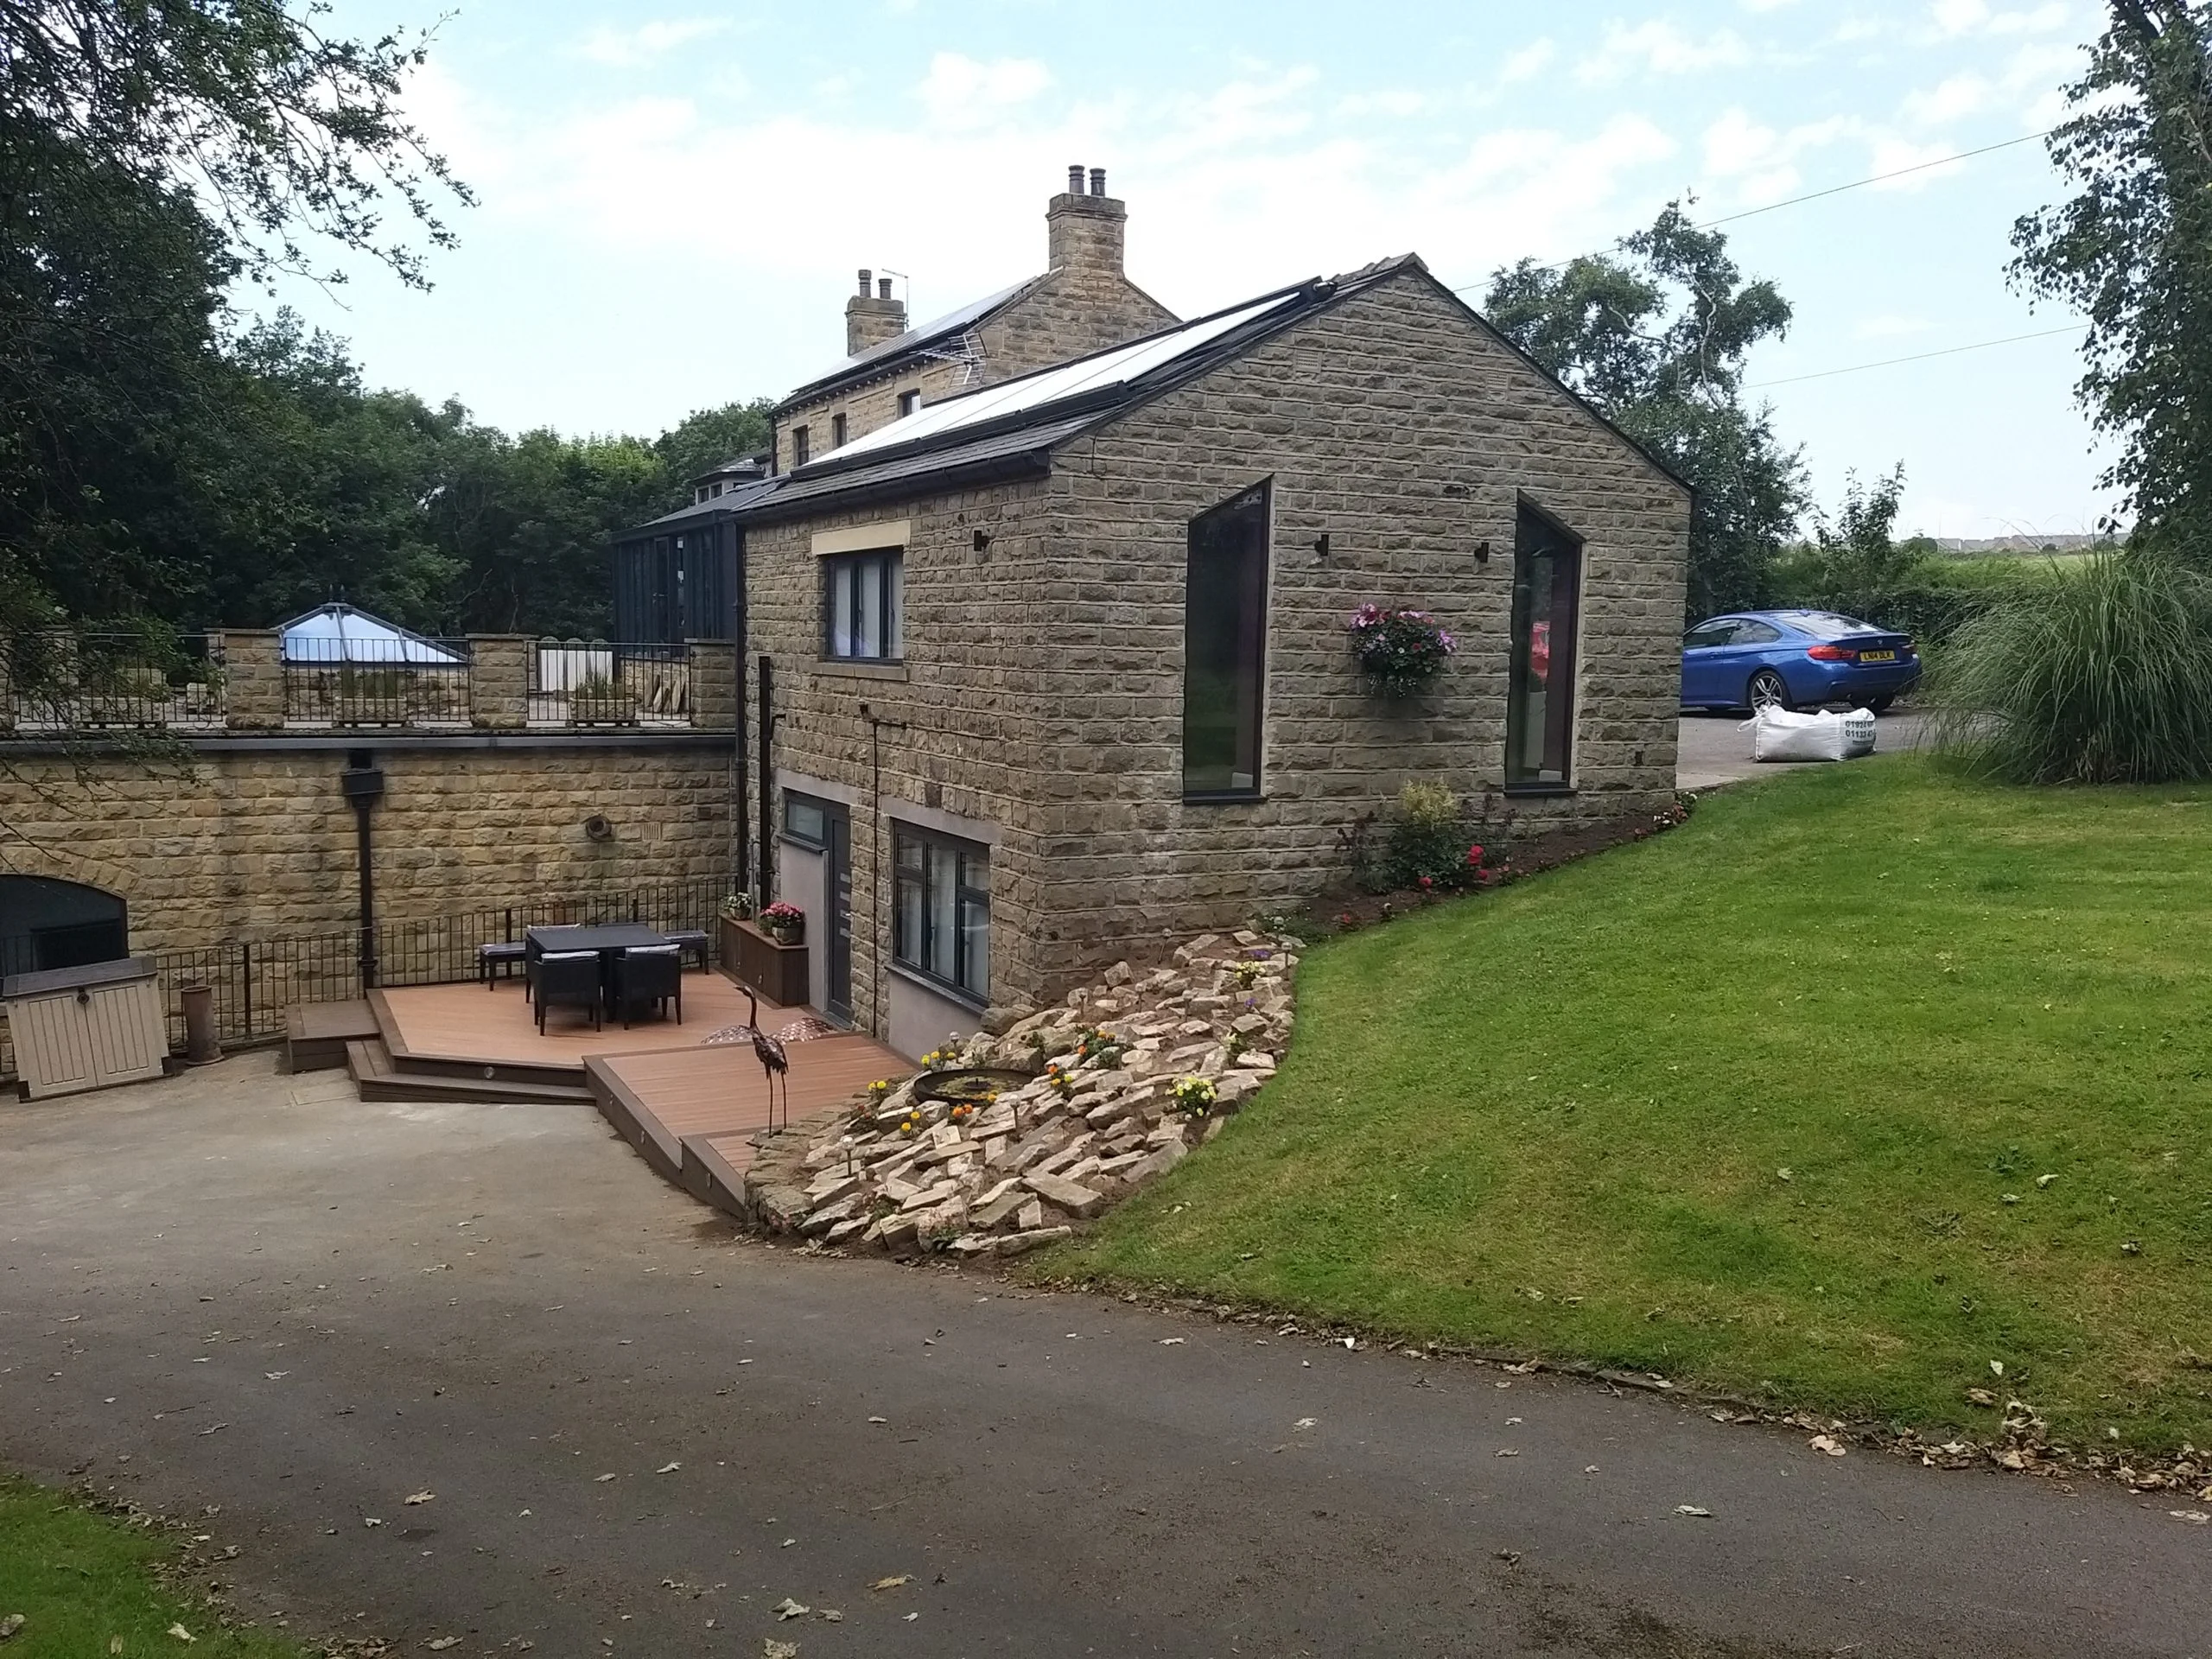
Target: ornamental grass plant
[2102, 674]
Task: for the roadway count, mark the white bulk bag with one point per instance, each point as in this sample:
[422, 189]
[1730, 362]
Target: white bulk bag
[1777, 734]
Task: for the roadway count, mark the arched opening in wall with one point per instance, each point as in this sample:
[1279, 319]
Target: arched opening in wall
[48, 923]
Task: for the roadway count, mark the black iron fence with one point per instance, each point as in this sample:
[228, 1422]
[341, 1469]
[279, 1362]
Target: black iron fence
[68, 681]
[404, 681]
[255, 983]
[592, 683]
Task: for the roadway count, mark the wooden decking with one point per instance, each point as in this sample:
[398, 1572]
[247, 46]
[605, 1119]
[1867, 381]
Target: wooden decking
[691, 1110]
[693, 1113]
[471, 1023]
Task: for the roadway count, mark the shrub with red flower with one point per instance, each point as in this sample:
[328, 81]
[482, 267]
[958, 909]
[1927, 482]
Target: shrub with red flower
[1401, 650]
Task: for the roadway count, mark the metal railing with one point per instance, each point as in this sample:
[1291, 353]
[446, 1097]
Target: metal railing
[419, 683]
[592, 683]
[61, 681]
[255, 982]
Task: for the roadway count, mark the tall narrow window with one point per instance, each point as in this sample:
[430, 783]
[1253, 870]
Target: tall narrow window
[837, 430]
[1225, 649]
[941, 926]
[1547, 616]
[802, 450]
[863, 606]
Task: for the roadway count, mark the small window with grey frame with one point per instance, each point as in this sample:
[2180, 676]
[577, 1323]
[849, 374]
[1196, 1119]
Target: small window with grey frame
[863, 606]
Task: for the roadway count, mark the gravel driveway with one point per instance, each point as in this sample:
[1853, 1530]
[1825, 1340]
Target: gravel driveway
[283, 1312]
[1716, 749]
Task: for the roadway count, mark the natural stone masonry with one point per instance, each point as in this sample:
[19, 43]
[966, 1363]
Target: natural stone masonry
[1043, 681]
[221, 847]
[1097, 1121]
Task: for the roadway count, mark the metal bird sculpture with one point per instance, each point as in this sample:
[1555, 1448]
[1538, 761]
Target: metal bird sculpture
[774, 1062]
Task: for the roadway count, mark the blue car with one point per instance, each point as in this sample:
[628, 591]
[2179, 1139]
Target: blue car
[1794, 659]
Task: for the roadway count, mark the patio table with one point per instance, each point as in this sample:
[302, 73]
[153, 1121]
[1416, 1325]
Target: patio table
[609, 941]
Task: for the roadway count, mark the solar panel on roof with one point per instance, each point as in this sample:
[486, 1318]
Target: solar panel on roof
[1090, 374]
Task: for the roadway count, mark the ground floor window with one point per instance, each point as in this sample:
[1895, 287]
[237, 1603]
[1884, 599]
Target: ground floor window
[942, 923]
[1547, 615]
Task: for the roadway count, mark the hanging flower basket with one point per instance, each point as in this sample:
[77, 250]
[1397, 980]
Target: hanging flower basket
[1400, 651]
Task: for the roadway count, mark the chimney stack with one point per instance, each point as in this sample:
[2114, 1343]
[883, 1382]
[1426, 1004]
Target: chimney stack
[1083, 230]
[871, 318]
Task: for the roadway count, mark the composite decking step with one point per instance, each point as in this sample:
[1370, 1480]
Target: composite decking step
[315, 1034]
[376, 1077]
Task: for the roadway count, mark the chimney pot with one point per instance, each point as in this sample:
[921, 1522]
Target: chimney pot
[883, 287]
[865, 275]
[1097, 180]
[1075, 178]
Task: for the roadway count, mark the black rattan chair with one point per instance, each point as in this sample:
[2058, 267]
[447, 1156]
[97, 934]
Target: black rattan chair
[500, 958]
[571, 979]
[649, 977]
[693, 942]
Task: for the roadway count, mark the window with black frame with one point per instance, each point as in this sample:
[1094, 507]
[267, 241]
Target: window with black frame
[863, 606]
[1225, 649]
[1547, 618]
[941, 921]
[806, 821]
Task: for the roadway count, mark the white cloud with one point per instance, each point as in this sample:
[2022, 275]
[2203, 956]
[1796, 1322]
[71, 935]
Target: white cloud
[1659, 48]
[1959, 96]
[961, 92]
[628, 49]
[1760, 163]
[1953, 18]
[1529, 62]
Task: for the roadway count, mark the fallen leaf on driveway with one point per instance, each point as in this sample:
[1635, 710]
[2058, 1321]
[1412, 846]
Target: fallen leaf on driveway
[439, 1644]
[181, 1634]
[2193, 1518]
[1827, 1443]
[1505, 1452]
[787, 1609]
[1305, 1422]
[420, 1497]
[276, 1376]
[878, 1419]
[1169, 1342]
[892, 1583]
[667, 1468]
[370, 1520]
[213, 1427]
[772, 1649]
[596, 1478]
[1692, 1509]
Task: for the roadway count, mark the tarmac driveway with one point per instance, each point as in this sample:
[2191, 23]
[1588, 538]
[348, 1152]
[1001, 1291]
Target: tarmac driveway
[288, 1312]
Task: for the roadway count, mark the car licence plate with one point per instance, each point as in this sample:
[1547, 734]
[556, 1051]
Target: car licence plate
[1878, 656]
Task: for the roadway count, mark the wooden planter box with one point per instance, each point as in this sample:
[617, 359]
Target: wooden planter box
[777, 972]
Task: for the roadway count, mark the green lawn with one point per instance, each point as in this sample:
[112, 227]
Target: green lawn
[87, 1588]
[1558, 1118]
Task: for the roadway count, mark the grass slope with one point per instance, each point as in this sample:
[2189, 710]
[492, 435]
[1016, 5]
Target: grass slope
[86, 1585]
[1555, 1118]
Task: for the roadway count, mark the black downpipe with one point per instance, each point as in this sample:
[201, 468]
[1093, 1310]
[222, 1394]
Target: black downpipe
[743, 846]
[363, 785]
[766, 720]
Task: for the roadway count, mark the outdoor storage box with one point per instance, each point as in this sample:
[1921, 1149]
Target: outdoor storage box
[77, 1028]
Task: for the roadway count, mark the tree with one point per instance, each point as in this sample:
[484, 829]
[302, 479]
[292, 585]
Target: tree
[1655, 339]
[707, 437]
[151, 152]
[2132, 251]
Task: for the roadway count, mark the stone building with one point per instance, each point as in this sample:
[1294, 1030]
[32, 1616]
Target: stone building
[1083, 301]
[1049, 670]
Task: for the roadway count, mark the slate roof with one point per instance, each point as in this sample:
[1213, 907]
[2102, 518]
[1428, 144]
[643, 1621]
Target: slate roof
[877, 357]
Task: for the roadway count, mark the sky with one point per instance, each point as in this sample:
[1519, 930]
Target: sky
[673, 197]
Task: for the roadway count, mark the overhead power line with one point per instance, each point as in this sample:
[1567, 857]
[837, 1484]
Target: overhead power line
[1815, 195]
[1917, 357]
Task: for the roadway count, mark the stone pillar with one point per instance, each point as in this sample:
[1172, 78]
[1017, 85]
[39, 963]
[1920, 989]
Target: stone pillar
[714, 685]
[253, 679]
[499, 680]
